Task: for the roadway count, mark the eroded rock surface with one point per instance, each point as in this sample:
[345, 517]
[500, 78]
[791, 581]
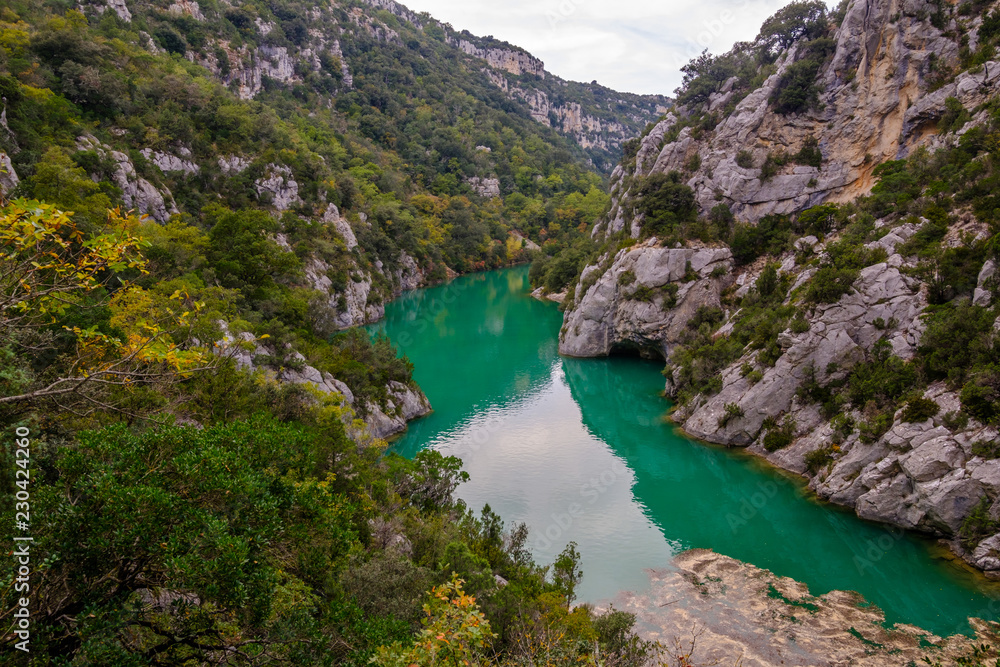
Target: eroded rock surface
[747, 616]
[405, 402]
[673, 284]
[875, 104]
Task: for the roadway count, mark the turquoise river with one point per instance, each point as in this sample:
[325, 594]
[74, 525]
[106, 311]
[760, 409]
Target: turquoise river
[581, 450]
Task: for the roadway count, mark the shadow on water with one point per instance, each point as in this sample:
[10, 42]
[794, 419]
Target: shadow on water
[485, 353]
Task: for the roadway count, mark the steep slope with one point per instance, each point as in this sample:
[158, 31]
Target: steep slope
[884, 76]
[342, 113]
[599, 119]
[377, 141]
[810, 240]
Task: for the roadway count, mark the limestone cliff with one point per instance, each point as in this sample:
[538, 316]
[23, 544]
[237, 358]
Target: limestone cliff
[880, 96]
[672, 283]
[599, 119]
[403, 402]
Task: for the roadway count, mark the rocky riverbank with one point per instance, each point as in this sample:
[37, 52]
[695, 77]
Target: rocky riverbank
[718, 611]
[770, 339]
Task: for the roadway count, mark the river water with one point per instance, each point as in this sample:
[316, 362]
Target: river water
[580, 449]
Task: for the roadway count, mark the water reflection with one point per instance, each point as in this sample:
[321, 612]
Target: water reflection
[581, 450]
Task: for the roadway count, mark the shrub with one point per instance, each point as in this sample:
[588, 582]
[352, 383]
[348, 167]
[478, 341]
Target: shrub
[243, 254]
[873, 429]
[829, 284]
[988, 449]
[843, 427]
[978, 525]
[721, 219]
[954, 117]
[772, 165]
[706, 315]
[770, 235]
[795, 21]
[643, 293]
[666, 202]
[388, 585]
[955, 420]
[562, 269]
[767, 282]
[744, 159]
[730, 411]
[819, 459]
[883, 379]
[669, 292]
[920, 410]
[981, 397]
[809, 155]
[777, 438]
[958, 340]
[797, 90]
[818, 219]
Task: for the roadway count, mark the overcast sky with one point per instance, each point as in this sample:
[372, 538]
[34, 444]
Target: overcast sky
[634, 46]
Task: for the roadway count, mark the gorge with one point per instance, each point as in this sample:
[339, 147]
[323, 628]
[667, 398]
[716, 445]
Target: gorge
[295, 395]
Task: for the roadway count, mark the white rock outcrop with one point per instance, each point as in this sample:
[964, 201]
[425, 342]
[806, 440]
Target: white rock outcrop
[277, 187]
[8, 176]
[404, 402]
[137, 193]
[608, 317]
[167, 162]
[987, 280]
[874, 106]
[485, 187]
[332, 217]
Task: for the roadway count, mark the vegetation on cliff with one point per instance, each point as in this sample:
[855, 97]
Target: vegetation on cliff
[295, 163]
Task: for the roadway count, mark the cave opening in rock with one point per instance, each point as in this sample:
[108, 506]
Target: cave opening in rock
[633, 349]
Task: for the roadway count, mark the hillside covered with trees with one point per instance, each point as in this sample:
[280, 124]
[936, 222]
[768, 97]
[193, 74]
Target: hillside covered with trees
[200, 203]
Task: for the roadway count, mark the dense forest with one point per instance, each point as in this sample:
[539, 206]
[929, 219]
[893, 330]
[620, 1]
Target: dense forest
[193, 199]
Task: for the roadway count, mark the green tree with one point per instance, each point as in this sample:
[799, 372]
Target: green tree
[243, 252]
[58, 180]
[666, 202]
[795, 21]
[567, 573]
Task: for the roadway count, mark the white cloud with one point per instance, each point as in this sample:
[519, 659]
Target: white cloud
[629, 45]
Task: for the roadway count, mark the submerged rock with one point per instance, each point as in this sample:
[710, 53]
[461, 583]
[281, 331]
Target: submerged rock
[735, 613]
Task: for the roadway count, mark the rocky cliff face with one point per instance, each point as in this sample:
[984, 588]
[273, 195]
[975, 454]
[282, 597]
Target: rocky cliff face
[512, 61]
[672, 282]
[879, 98]
[404, 402]
[875, 103]
[597, 118]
